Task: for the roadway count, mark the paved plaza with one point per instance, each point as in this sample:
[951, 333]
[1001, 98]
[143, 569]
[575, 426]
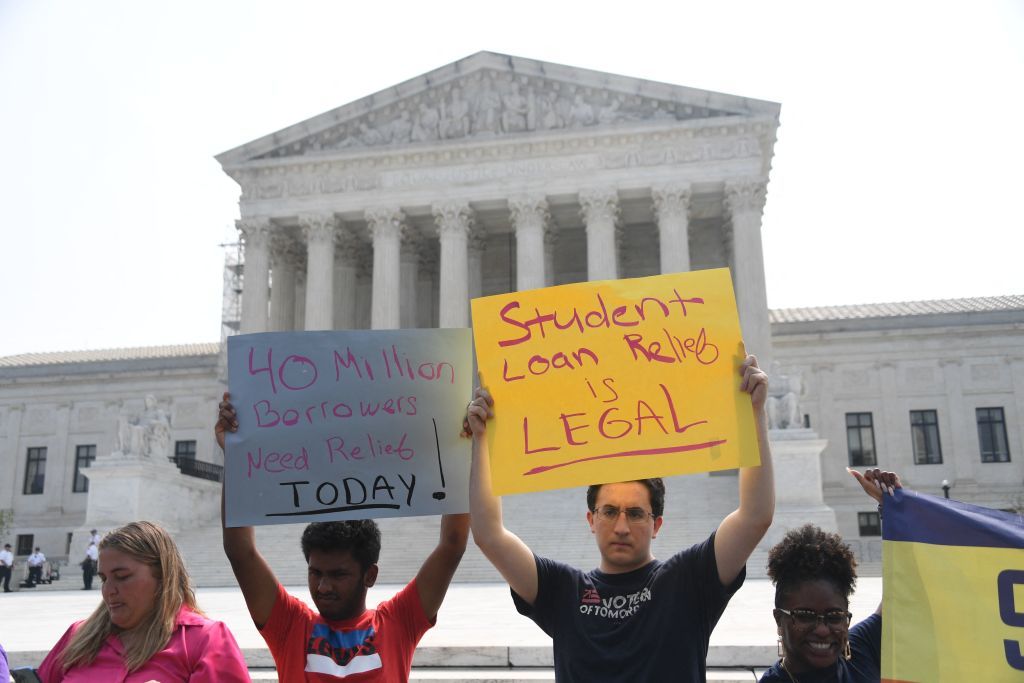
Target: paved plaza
[479, 635]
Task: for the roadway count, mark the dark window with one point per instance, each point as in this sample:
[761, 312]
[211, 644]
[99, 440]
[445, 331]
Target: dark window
[35, 471]
[25, 544]
[992, 435]
[184, 450]
[84, 455]
[869, 523]
[924, 435]
[860, 439]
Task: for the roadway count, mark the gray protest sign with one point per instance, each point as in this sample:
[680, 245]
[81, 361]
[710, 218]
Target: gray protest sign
[347, 425]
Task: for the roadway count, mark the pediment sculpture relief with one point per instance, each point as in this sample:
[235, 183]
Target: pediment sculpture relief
[490, 104]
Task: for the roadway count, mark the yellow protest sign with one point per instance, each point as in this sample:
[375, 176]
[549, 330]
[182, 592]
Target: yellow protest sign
[606, 381]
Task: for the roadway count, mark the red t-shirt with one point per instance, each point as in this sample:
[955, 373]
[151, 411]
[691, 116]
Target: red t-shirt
[375, 646]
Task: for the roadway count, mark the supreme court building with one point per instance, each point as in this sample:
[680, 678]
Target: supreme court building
[495, 174]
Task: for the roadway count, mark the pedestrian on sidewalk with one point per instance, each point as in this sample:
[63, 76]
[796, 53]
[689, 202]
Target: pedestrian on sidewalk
[6, 568]
[92, 556]
[35, 567]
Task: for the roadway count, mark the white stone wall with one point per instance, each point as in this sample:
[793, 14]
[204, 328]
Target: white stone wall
[965, 363]
[61, 407]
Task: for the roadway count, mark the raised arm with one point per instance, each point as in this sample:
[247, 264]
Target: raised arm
[741, 531]
[437, 571]
[510, 556]
[254, 575]
[876, 483]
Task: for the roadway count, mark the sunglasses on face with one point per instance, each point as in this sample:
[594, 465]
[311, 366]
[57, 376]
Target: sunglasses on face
[804, 618]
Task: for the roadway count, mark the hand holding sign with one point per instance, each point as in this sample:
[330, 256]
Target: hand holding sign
[605, 381]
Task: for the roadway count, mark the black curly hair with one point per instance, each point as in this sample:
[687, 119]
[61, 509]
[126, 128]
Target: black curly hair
[811, 554]
[360, 537]
[655, 487]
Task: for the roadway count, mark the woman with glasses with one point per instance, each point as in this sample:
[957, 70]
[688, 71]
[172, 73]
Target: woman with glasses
[814, 573]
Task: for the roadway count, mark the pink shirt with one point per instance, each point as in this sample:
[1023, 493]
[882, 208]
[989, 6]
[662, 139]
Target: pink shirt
[199, 651]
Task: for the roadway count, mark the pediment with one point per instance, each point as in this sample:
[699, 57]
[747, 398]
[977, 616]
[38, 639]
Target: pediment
[489, 96]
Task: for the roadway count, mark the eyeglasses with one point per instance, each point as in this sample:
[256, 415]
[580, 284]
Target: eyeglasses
[610, 514]
[803, 618]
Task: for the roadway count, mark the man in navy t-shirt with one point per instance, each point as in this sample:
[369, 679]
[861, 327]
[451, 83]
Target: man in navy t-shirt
[634, 618]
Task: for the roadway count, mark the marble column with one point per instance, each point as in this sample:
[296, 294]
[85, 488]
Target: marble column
[426, 307]
[9, 457]
[345, 271]
[256, 273]
[550, 244]
[600, 211]
[319, 230]
[672, 208]
[529, 219]
[364, 287]
[453, 224]
[476, 246]
[744, 202]
[283, 258]
[409, 279]
[963, 450]
[299, 323]
[386, 225]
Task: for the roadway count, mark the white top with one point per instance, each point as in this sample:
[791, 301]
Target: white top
[36, 559]
[6, 558]
[92, 553]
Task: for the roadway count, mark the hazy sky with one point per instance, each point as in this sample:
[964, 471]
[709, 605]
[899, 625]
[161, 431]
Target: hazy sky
[897, 172]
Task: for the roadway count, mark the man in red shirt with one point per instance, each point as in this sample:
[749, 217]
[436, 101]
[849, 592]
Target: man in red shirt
[342, 640]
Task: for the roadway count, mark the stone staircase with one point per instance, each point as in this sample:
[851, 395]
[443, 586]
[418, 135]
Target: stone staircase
[552, 523]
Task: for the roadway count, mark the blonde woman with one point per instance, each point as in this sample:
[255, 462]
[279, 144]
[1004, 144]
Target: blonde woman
[148, 626]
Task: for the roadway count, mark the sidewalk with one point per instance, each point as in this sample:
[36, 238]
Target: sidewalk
[477, 626]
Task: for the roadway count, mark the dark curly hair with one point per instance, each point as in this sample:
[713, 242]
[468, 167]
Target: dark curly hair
[810, 554]
[360, 537]
[655, 487]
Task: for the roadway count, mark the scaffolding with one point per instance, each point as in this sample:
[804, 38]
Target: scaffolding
[231, 306]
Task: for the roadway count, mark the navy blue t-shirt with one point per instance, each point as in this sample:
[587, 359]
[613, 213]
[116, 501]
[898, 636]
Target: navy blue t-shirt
[652, 624]
[865, 665]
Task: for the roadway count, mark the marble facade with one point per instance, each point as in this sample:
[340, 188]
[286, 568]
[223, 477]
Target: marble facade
[497, 173]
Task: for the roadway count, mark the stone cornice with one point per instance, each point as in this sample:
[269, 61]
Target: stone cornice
[559, 154]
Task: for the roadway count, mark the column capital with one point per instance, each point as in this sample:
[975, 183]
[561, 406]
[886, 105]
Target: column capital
[412, 244]
[524, 208]
[256, 230]
[453, 217]
[477, 238]
[745, 196]
[318, 227]
[363, 254]
[671, 201]
[550, 234]
[385, 222]
[348, 245]
[429, 259]
[284, 251]
[599, 204]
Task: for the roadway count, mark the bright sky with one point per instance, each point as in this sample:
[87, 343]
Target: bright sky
[897, 172]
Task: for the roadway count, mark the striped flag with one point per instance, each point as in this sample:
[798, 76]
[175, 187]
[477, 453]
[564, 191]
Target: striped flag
[953, 576]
